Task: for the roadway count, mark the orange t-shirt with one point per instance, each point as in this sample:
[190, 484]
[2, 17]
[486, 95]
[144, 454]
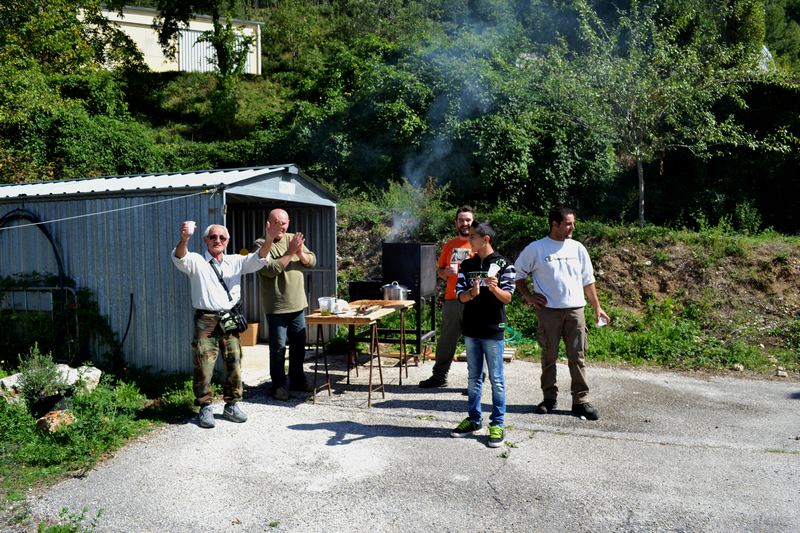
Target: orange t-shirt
[454, 251]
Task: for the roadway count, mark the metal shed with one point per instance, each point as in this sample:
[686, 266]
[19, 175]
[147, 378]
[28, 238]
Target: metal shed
[114, 236]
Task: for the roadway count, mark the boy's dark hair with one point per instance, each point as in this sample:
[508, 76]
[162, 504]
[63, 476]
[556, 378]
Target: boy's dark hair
[483, 229]
[558, 214]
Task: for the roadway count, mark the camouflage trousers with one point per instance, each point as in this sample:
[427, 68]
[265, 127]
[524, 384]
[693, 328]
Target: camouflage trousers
[209, 341]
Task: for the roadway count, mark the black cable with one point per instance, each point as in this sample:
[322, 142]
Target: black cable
[30, 216]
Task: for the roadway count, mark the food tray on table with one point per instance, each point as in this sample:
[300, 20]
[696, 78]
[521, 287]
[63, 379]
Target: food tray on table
[385, 304]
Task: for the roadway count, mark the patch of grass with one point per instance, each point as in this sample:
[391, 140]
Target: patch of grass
[790, 331]
[660, 257]
[756, 277]
[106, 418]
[528, 351]
[670, 334]
[789, 359]
[781, 257]
[73, 522]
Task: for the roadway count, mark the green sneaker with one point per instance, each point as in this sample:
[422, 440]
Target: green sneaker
[497, 436]
[466, 427]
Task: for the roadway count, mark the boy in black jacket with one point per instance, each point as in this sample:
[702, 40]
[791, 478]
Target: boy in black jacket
[485, 285]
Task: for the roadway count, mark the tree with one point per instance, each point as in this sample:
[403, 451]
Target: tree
[662, 83]
[64, 36]
[59, 58]
[783, 32]
[231, 47]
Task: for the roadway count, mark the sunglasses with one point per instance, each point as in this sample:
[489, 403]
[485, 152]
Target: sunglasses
[221, 238]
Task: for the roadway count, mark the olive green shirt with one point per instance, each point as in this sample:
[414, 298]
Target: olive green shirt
[283, 289]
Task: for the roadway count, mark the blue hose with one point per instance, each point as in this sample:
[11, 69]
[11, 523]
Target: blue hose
[512, 336]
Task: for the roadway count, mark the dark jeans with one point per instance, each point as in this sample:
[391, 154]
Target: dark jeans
[283, 328]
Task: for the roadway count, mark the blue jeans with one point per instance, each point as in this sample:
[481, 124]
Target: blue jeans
[285, 327]
[491, 351]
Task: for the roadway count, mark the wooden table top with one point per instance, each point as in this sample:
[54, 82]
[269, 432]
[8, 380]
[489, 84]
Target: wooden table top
[387, 307]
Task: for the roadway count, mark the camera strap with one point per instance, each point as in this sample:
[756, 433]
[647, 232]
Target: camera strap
[222, 281]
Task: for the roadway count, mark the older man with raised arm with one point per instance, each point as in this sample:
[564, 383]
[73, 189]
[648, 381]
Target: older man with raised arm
[563, 278]
[215, 279]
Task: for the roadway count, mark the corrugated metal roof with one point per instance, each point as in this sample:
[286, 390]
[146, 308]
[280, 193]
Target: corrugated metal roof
[142, 182]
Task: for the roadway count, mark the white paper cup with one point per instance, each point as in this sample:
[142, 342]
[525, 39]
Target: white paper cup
[602, 322]
[190, 226]
[493, 270]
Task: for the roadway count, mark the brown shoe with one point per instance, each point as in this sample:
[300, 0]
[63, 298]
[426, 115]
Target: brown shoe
[545, 407]
[280, 394]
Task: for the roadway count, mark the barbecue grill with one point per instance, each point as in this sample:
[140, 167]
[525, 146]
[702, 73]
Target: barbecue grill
[413, 265]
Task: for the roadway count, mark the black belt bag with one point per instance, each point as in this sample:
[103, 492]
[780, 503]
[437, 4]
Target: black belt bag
[233, 320]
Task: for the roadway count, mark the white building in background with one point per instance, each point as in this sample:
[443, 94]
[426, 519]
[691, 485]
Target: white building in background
[192, 56]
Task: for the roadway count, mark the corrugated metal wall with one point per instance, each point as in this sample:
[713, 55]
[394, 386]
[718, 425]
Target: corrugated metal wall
[123, 256]
[318, 225]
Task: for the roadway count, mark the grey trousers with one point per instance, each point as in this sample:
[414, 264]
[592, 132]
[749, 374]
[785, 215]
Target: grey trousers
[449, 333]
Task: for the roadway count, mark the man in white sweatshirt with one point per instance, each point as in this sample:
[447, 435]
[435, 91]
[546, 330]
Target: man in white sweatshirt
[563, 279]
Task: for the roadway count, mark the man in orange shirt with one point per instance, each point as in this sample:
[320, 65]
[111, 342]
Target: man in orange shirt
[454, 252]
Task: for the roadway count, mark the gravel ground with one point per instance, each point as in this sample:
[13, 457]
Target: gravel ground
[671, 452]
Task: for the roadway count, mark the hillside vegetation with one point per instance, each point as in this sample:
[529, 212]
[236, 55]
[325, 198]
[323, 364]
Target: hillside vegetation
[659, 111]
[709, 300]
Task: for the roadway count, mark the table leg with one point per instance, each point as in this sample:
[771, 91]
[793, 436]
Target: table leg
[374, 351]
[352, 356]
[316, 365]
[403, 354]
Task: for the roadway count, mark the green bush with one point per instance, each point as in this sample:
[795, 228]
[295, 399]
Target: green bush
[86, 145]
[104, 419]
[40, 377]
[669, 334]
[746, 218]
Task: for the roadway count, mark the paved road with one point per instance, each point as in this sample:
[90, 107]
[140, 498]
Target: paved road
[670, 453]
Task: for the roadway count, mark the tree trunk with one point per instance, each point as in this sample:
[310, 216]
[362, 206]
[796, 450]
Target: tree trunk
[640, 171]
